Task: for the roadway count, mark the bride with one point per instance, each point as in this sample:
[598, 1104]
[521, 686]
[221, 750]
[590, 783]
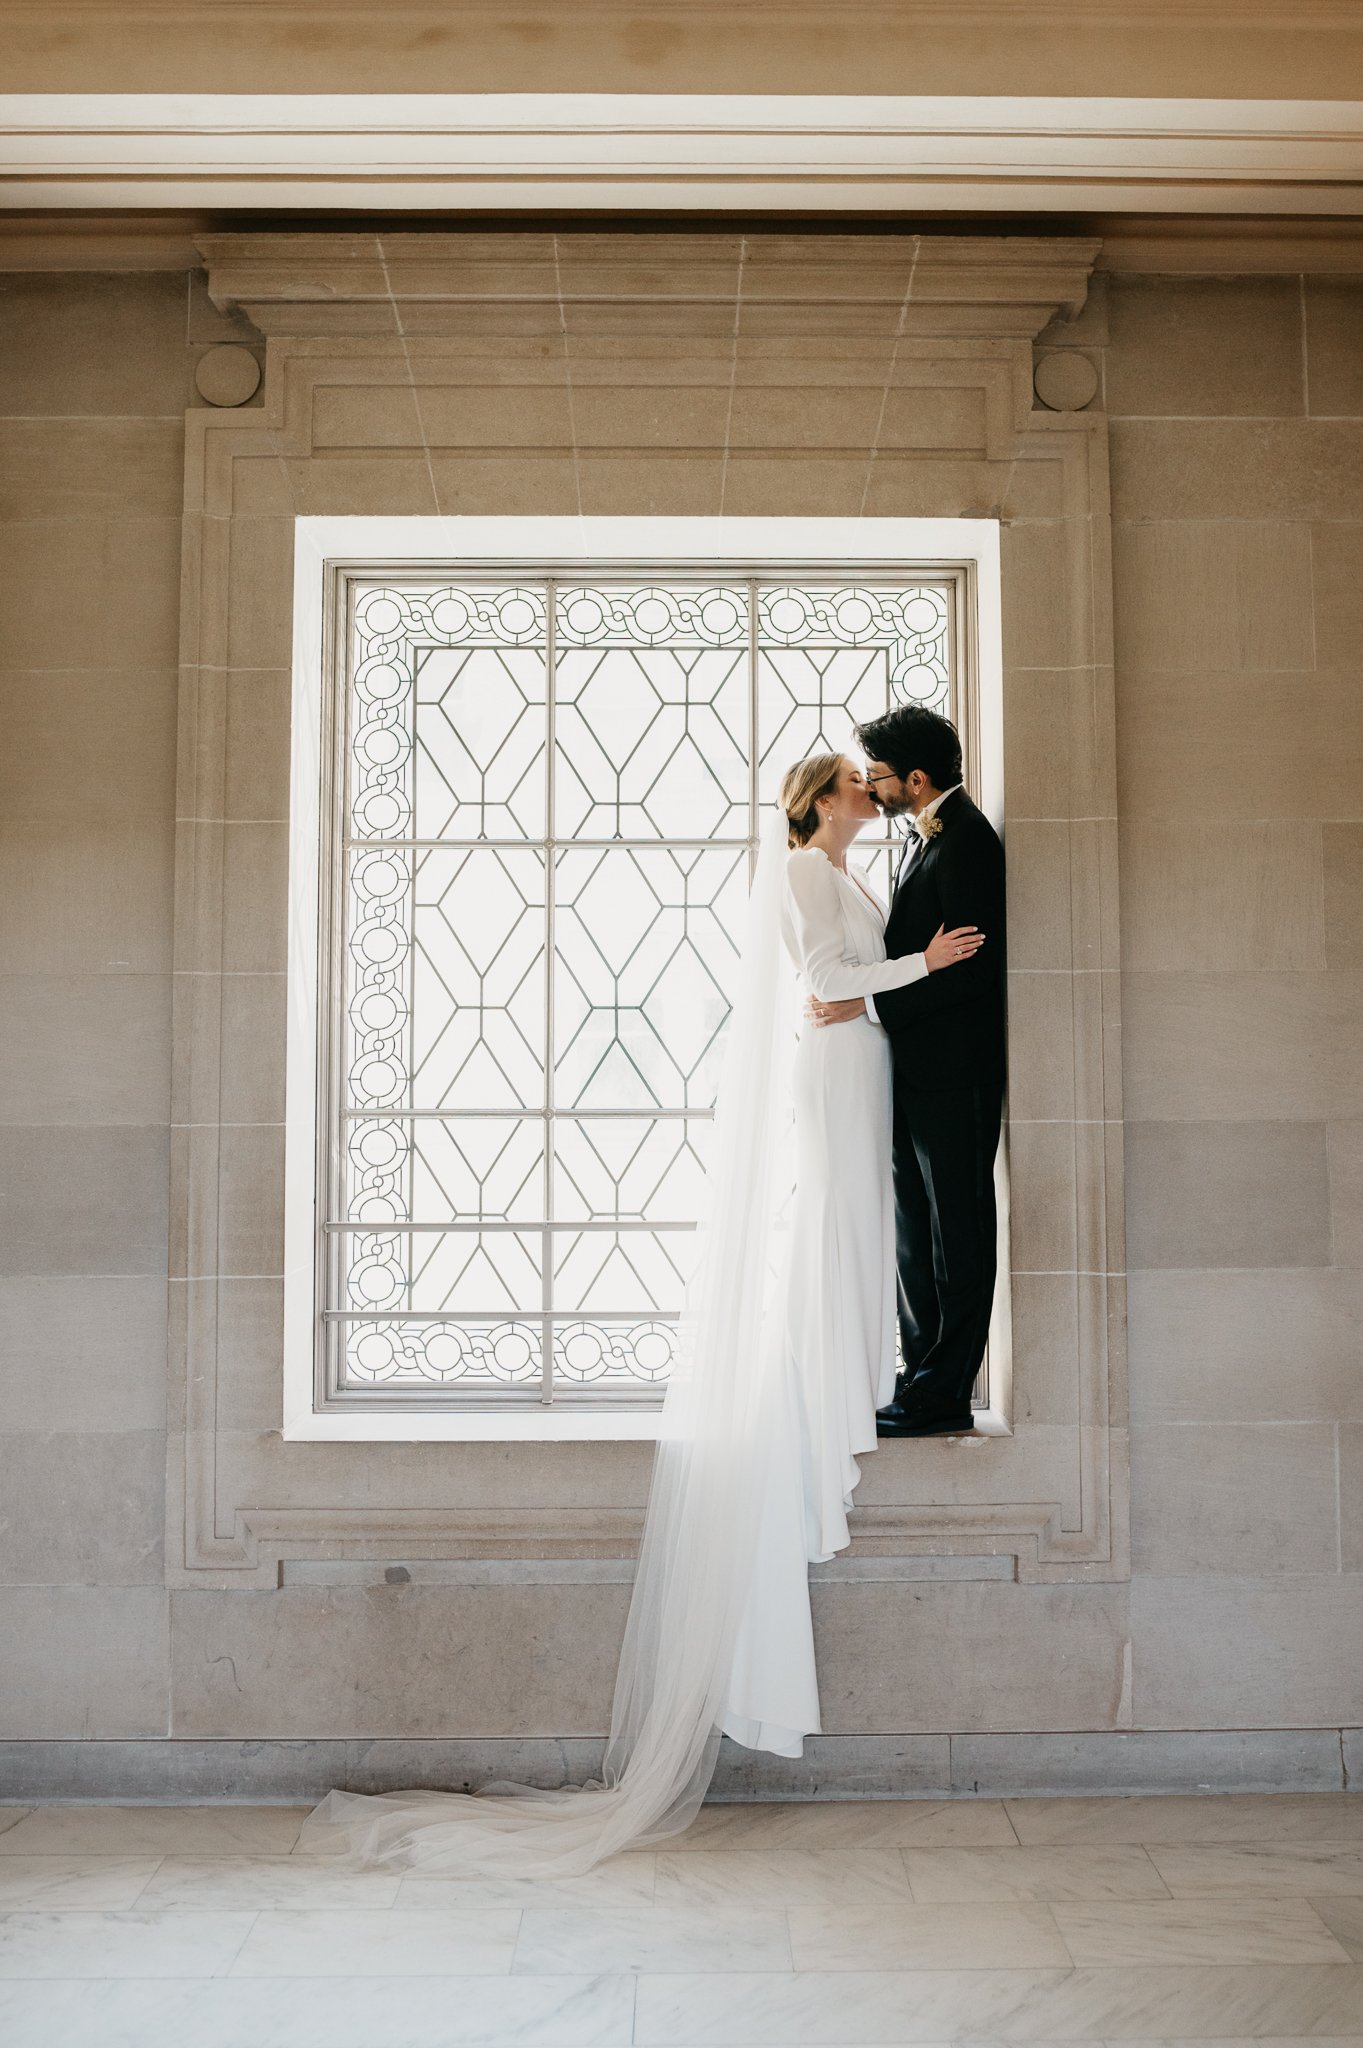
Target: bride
[787, 1349]
[839, 1289]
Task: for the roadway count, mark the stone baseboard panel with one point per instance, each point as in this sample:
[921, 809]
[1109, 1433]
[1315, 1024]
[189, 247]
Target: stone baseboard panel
[834, 1766]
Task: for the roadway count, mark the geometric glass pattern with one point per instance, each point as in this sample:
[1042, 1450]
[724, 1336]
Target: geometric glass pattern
[547, 806]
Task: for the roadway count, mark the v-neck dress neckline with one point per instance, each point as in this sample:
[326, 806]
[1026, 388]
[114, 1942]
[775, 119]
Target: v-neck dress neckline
[860, 888]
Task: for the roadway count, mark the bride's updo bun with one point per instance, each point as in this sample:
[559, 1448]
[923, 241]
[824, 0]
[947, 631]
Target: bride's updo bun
[801, 788]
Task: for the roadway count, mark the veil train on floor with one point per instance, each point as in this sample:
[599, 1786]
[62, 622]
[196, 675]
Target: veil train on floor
[703, 1505]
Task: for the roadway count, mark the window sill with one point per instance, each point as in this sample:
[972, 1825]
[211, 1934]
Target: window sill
[546, 1426]
[540, 1426]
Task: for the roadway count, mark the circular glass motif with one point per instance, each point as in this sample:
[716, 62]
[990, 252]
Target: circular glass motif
[583, 1352]
[786, 613]
[382, 681]
[516, 615]
[381, 616]
[378, 1080]
[583, 615]
[920, 684]
[923, 615]
[374, 1355]
[653, 1348]
[854, 615]
[381, 745]
[719, 616]
[380, 812]
[652, 613]
[378, 1146]
[379, 879]
[446, 1354]
[376, 1281]
[449, 615]
[378, 943]
[513, 1353]
[378, 1011]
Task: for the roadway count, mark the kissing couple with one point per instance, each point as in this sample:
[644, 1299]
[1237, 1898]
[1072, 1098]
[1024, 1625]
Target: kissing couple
[851, 1173]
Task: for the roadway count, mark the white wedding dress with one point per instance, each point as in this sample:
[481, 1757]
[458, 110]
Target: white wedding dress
[785, 1347]
[839, 1294]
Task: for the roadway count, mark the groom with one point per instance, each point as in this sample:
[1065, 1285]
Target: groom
[947, 1041]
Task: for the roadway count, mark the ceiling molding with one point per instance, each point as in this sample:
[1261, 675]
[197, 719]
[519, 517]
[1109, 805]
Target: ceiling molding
[642, 152]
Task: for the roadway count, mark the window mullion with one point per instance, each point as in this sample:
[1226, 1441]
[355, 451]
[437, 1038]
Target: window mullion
[550, 878]
[754, 740]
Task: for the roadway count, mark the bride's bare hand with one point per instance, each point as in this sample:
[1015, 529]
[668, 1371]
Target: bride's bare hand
[946, 948]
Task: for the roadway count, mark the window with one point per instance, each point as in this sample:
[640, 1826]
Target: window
[545, 807]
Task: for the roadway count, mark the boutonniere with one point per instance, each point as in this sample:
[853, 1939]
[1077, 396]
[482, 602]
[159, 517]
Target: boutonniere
[927, 828]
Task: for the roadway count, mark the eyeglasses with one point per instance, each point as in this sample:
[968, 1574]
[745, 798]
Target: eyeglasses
[888, 776]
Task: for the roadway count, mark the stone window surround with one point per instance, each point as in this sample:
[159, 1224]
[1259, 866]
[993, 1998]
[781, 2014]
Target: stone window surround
[969, 547]
[360, 331]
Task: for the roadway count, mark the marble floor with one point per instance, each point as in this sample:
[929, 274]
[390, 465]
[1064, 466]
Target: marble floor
[1173, 1920]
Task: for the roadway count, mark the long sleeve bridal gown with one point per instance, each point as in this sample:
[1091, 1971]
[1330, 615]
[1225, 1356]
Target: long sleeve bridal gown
[839, 1299]
[779, 1373]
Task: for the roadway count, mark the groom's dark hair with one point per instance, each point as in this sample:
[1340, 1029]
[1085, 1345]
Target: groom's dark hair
[910, 737]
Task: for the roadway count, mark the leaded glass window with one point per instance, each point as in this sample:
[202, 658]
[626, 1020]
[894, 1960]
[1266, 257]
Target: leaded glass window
[544, 799]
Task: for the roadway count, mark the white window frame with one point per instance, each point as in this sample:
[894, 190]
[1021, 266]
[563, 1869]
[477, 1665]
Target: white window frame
[465, 546]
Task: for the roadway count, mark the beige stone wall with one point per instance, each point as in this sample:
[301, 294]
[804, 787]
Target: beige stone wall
[1237, 479]
[1250, 49]
[1238, 494]
[96, 378]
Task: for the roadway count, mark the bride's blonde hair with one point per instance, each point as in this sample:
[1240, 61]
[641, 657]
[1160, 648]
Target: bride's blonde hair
[801, 788]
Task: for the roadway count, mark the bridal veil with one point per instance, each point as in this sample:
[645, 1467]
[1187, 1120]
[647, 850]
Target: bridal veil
[703, 1507]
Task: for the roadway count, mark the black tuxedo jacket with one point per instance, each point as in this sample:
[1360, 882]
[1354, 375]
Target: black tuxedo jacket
[948, 1030]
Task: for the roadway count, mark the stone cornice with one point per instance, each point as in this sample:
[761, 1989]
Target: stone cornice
[1191, 244]
[997, 286]
[1231, 247]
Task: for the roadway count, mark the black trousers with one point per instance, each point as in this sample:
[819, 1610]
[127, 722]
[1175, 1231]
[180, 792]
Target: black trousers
[946, 1236]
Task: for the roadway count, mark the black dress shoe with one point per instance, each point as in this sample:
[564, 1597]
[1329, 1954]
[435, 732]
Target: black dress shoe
[899, 1408]
[896, 1420]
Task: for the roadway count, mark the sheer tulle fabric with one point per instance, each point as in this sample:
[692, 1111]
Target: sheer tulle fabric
[703, 1508]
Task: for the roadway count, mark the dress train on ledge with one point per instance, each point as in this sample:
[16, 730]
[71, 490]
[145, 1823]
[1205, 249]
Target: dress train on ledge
[786, 1341]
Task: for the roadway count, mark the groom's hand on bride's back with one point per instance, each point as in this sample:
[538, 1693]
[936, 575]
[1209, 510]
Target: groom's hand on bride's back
[944, 949]
[835, 1013]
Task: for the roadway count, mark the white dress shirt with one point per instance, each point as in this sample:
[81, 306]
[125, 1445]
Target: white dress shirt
[910, 855]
